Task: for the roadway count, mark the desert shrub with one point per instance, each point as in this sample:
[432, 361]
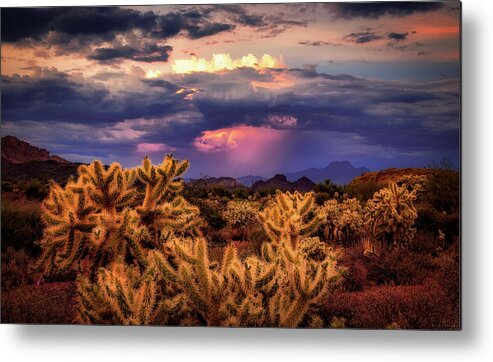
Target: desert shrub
[321, 197]
[363, 191]
[391, 215]
[241, 193]
[212, 214]
[36, 189]
[15, 266]
[410, 307]
[7, 186]
[21, 227]
[326, 190]
[242, 215]
[47, 304]
[447, 273]
[398, 267]
[343, 221]
[220, 192]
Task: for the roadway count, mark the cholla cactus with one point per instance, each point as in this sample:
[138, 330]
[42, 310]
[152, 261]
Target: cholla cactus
[290, 216]
[304, 279]
[279, 289]
[391, 214]
[414, 182]
[121, 295]
[148, 270]
[343, 221]
[97, 218]
[241, 214]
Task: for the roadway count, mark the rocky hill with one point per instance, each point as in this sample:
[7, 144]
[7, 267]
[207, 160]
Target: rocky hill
[17, 151]
[22, 161]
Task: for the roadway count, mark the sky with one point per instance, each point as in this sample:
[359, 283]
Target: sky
[254, 89]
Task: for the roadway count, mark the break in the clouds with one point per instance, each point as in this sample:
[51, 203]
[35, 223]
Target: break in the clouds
[237, 89]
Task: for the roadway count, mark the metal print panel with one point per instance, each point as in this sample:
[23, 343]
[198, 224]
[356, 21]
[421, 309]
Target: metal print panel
[251, 165]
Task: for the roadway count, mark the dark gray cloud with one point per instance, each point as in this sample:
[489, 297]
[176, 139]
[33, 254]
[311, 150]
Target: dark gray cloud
[102, 23]
[78, 29]
[148, 54]
[397, 36]
[386, 119]
[271, 25]
[55, 96]
[374, 10]
[317, 43]
[363, 37]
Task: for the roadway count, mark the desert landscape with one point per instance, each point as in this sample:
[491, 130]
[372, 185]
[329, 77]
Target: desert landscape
[232, 165]
[379, 252]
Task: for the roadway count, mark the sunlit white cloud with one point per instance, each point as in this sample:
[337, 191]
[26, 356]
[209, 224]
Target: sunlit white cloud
[224, 61]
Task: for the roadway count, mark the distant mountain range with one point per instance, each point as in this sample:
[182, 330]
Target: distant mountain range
[250, 180]
[20, 160]
[339, 172]
[280, 182]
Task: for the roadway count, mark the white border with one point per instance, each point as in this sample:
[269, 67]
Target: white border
[474, 343]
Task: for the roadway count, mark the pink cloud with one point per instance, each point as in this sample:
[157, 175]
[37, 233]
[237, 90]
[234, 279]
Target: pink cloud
[242, 137]
[153, 147]
[244, 148]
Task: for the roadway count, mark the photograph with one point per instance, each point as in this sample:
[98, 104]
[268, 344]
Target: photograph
[259, 165]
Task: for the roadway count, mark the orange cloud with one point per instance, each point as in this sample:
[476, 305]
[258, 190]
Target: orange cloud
[223, 61]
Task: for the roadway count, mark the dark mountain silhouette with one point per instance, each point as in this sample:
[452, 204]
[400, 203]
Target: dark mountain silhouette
[280, 182]
[250, 180]
[17, 151]
[339, 172]
[22, 161]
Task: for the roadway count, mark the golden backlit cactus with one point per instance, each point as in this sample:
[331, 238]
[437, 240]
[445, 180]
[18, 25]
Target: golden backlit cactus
[98, 218]
[343, 221]
[162, 211]
[290, 216]
[391, 214]
[120, 295]
[305, 276]
[150, 264]
[111, 189]
[69, 216]
[280, 288]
